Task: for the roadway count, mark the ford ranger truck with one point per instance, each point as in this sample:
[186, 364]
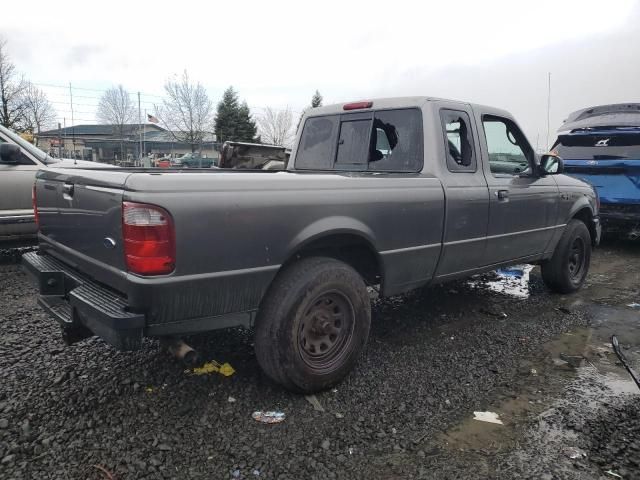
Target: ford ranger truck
[396, 193]
[601, 145]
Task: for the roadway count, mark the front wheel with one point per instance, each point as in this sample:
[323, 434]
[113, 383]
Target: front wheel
[313, 324]
[567, 269]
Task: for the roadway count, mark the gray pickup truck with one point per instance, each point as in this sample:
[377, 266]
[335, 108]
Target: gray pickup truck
[396, 193]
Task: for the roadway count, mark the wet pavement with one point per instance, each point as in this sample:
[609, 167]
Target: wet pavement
[497, 343]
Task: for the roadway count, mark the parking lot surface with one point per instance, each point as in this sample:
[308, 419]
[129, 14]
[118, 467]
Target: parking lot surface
[497, 343]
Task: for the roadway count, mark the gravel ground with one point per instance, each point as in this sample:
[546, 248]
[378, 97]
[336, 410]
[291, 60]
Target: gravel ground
[433, 358]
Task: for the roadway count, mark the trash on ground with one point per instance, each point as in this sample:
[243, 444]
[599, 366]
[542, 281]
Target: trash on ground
[313, 400]
[256, 472]
[268, 417]
[512, 281]
[339, 415]
[213, 367]
[534, 372]
[623, 359]
[574, 452]
[489, 417]
[149, 389]
[558, 362]
[613, 474]
[231, 399]
[634, 305]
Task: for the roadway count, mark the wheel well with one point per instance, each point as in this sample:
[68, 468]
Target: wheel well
[585, 216]
[348, 248]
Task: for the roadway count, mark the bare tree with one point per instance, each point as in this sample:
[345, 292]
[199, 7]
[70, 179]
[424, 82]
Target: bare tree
[39, 113]
[116, 108]
[276, 127]
[187, 112]
[12, 86]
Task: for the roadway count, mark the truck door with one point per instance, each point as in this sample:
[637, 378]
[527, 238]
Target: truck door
[467, 195]
[523, 205]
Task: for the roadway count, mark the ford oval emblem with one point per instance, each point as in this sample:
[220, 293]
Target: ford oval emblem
[109, 242]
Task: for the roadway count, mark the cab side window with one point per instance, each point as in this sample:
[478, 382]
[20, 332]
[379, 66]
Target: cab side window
[458, 138]
[509, 151]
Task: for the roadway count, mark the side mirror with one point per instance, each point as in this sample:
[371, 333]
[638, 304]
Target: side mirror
[551, 164]
[9, 153]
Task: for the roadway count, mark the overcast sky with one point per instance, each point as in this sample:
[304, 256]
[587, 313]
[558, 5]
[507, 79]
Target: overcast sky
[277, 53]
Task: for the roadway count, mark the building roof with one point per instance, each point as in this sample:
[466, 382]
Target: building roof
[167, 136]
[101, 130]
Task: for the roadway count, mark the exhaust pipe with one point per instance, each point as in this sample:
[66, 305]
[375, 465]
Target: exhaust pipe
[179, 349]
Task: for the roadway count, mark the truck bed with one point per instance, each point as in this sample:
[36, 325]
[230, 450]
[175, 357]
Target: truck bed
[234, 231]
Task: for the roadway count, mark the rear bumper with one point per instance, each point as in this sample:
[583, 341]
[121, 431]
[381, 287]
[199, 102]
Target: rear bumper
[82, 306]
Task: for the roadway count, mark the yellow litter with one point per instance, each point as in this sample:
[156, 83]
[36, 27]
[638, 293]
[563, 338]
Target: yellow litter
[214, 367]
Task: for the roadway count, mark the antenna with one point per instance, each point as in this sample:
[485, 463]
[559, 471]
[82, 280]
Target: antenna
[548, 111]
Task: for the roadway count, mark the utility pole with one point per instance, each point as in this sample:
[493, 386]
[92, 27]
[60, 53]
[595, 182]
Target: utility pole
[59, 142]
[140, 129]
[548, 111]
[73, 125]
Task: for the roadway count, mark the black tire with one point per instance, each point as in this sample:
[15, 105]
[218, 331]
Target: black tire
[313, 324]
[567, 269]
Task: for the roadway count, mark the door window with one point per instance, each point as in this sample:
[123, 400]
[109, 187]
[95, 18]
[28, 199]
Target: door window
[458, 141]
[22, 158]
[509, 151]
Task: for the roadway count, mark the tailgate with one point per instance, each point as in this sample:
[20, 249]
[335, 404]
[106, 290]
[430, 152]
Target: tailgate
[80, 214]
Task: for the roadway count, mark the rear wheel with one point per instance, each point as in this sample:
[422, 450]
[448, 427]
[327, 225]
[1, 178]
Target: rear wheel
[567, 269]
[313, 324]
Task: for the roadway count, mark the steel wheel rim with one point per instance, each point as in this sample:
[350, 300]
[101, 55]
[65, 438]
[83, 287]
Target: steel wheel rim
[577, 254]
[326, 331]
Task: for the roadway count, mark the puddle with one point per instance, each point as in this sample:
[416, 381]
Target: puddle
[579, 364]
[513, 281]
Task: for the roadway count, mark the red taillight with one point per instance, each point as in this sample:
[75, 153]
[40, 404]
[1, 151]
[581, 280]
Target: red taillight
[357, 105]
[34, 203]
[149, 239]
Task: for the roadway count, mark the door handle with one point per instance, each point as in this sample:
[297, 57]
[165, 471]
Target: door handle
[502, 194]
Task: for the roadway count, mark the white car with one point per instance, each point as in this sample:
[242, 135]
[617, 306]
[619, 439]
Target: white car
[19, 162]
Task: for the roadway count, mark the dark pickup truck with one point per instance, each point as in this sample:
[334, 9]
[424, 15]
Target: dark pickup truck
[396, 193]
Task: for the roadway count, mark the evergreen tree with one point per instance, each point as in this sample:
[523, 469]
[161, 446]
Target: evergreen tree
[247, 130]
[226, 115]
[233, 119]
[316, 100]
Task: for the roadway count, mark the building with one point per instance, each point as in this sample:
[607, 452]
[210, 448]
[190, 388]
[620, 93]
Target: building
[104, 143]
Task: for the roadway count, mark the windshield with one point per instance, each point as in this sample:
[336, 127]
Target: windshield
[610, 144]
[33, 150]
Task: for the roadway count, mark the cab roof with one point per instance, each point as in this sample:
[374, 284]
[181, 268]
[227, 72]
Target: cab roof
[396, 102]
